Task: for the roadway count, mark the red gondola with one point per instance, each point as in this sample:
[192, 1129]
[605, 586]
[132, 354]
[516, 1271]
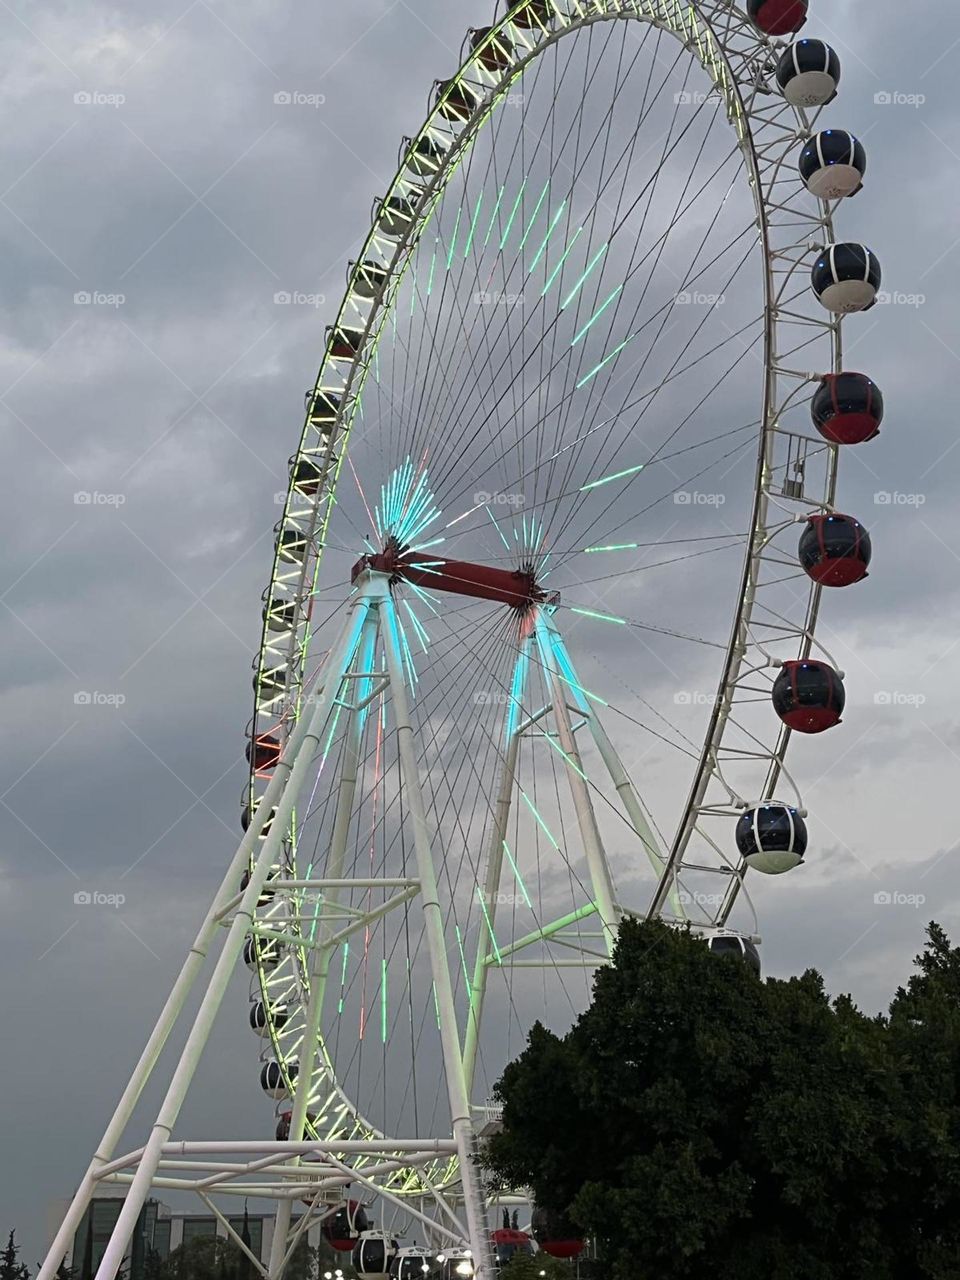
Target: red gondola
[808, 696]
[835, 550]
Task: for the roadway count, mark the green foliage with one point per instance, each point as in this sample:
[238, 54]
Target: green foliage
[696, 1120]
[539, 1266]
[11, 1268]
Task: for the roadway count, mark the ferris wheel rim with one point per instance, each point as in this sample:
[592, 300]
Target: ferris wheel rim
[663, 16]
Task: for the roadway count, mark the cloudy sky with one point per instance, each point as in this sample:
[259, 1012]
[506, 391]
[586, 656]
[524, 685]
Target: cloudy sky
[147, 168]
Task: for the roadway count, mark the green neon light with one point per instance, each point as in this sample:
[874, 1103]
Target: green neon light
[569, 759]
[383, 1001]
[343, 976]
[433, 266]
[486, 916]
[614, 546]
[473, 225]
[576, 288]
[453, 243]
[596, 316]
[617, 475]
[517, 876]
[463, 961]
[493, 217]
[543, 196]
[513, 214]
[543, 244]
[604, 617]
[557, 269]
[436, 1005]
[593, 372]
[546, 830]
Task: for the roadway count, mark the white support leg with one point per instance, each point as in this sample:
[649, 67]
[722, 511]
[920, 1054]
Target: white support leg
[508, 782]
[583, 804]
[320, 957]
[295, 765]
[433, 923]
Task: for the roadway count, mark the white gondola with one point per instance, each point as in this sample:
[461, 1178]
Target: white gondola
[412, 1263]
[373, 1255]
[808, 73]
[832, 164]
[846, 278]
[772, 838]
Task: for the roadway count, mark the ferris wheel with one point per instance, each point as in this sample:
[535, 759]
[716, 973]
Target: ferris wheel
[542, 618]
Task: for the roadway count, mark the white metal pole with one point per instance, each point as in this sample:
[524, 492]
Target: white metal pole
[175, 1001]
[491, 885]
[582, 802]
[433, 924]
[320, 959]
[339, 659]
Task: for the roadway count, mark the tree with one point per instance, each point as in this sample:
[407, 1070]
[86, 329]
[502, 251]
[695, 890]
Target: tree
[696, 1120]
[537, 1266]
[11, 1268]
[204, 1258]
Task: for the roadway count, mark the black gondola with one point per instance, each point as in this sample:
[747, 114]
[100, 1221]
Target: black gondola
[808, 73]
[846, 278]
[832, 164]
[771, 837]
[735, 944]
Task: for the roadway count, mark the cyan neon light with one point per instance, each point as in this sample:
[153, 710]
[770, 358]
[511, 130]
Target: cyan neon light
[543, 244]
[577, 287]
[559, 267]
[617, 475]
[493, 217]
[596, 316]
[453, 242]
[516, 692]
[497, 527]
[543, 196]
[612, 356]
[513, 214]
[543, 826]
[516, 875]
[473, 225]
[604, 617]
[486, 916]
[614, 546]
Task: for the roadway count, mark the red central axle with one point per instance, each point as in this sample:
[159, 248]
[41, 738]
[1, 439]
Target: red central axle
[515, 587]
